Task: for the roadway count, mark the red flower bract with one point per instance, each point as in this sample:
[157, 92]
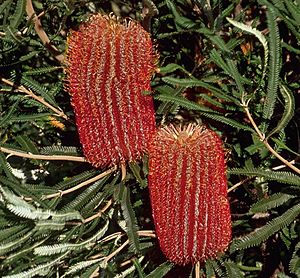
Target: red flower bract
[188, 191]
[109, 65]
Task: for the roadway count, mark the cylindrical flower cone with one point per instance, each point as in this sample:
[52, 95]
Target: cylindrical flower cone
[109, 65]
[188, 191]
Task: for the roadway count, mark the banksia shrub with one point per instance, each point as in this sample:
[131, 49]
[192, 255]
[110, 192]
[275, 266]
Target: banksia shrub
[109, 65]
[188, 193]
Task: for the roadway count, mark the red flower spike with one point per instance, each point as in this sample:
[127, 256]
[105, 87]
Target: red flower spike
[188, 191]
[109, 65]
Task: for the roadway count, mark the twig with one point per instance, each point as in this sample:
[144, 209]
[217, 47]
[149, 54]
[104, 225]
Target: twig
[98, 177]
[123, 171]
[143, 233]
[239, 184]
[110, 256]
[265, 142]
[41, 33]
[42, 157]
[197, 270]
[98, 214]
[249, 178]
[147, 233]
[28, 92]
[283, 165]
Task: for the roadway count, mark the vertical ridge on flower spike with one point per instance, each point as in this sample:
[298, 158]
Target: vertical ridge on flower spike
[188, 192]
[109, 65]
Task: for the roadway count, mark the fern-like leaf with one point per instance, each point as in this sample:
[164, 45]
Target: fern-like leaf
[30, 117]
[136, 170]
[73, 181]
[181, 21]
[161, 270]
[232, 270]
[26, 144]
[227, 121]
[17, 17]
[274, 68]
[193, 82]
[12, 245]
[38, 88]
[48, 250]
[173, 67]
[283, 177]
[273, 201]
[35, 213]
[263, 233]
[6, 119]
[259, 36]
[294, 264]
[83, 265]
[40, 71]
[49, 225]
[289, 108]
[130, 219]
[83, 198]
[60, 150]
[183, 102]
[41, 269]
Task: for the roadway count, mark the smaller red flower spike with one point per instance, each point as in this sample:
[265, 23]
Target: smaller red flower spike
[188, 192]
[109, 65]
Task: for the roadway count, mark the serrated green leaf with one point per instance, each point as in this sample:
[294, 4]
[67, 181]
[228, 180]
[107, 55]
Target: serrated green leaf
[36, 213]
[283, 177]
[49, 250]
[294, 265]
[273, 201]
[136, 170]
[173, 67]
[41, 269]
[289, 108]
[232, 270]
[257, 237]
[274, 68]
[130, 219]
[18, 14]
[12, 245]
[26, 144]
[6, 119]
[161, 270]
[30, 117]
[40, 71]
[227, 121]
[259, 36]
[85, 264]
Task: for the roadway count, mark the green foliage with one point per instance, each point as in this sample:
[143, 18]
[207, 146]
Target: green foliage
[273, 201]
[130, 219]
[260, 235]
[217, 60]
[283, 177]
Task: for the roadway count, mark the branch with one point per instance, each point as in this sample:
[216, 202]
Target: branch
[41, 33]
[197, 270]
[22, 89]
[250, 178]
[142, 233]
[98, 177]
[98, 214]
[239, 184]
[123, 171]
[110, 256]
[42, 157]
[265, 142]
